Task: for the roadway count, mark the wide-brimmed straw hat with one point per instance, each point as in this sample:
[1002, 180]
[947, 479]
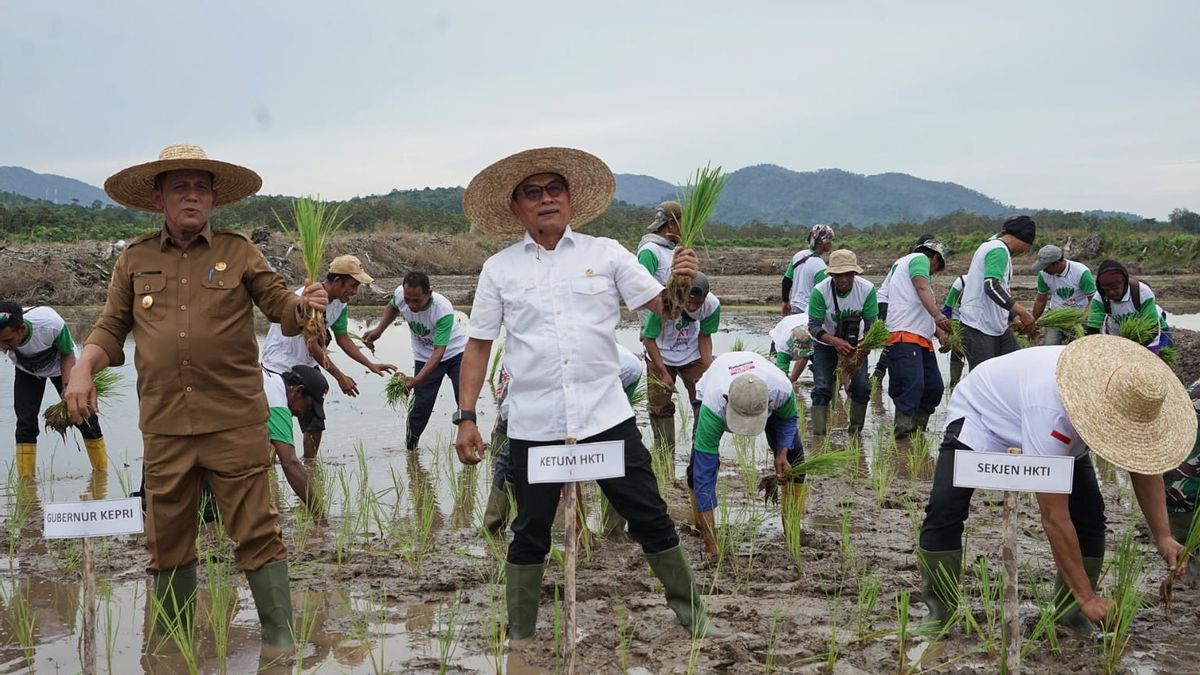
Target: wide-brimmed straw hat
[843, 260]
[1126, 403]
[589, 181]
[134, 187]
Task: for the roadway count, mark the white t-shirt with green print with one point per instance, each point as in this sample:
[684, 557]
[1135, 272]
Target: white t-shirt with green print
[433, 326]
[1073, 287]
[859, 302]
[49, 339]
[679, 340]
[281, 352]
[279, 416]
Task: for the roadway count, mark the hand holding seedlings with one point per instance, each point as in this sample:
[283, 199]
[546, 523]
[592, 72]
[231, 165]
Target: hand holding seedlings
[1097, 608]
[782, 465]
[314, 296]
[686, 264]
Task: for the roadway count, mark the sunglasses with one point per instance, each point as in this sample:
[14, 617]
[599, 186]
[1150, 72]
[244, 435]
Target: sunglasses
[533, 193]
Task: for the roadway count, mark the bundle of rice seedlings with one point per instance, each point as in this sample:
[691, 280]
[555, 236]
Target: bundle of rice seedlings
[834, 463]
[955, 338]
[1138, 328]
[313, 225]
[876, 338]
[397, 393]
[1066, 319]
[1169, 356]
[638, 394]
[698, 201]
[56, 417]
[1022, 340]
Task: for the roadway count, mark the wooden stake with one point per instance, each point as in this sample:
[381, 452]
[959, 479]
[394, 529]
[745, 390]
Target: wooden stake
[89, 601]
[1012, 622]
[569, 515]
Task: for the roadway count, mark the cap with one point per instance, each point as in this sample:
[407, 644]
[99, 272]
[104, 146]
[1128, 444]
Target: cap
[348, 264]
[746, 414]
[843, 260]
[1021, 227]
[800, 344]
[933, 246]
[315, 387]
[664, 214]
[1047, 256]
[699, 287]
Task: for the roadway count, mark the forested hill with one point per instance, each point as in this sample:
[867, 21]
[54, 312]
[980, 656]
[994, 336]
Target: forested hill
[49, 187]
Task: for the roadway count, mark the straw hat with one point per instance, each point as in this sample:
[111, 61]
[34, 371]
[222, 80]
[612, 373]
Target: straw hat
[843, 260]
[134, 187]
[589, 180]
[1126, 403]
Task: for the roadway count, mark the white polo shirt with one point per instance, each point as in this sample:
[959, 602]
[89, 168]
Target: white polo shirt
[1012, 401]
[781, 334]
[433, 326]
[49, 339]
[977, 310]
[280, 352]
[560, 310]
[712, 388]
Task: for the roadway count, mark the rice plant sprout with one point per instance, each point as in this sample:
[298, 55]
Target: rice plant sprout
[1069, 320]
[312, 228]
[875, 338]
[396, 392]
[1140, 329]
[105, 380]
[698, 201]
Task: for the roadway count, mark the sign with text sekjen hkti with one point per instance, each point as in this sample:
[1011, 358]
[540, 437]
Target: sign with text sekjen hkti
[1014, 473]
[575, 463]
[102, 518]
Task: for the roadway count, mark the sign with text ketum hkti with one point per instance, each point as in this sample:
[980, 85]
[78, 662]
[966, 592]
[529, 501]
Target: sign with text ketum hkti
[575, 463]
[1014, 473]
[102, 518]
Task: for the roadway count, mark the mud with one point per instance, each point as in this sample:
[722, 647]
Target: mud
[373, 593]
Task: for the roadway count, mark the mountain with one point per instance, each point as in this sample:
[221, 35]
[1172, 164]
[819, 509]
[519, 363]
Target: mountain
[52, 188]
[643, 190]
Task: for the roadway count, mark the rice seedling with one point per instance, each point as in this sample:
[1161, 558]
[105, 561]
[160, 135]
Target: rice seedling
[556, 623]
[833, 650]
[1169, 356]
[497, 624]
[222, 599]
[831, 463]
[493, 369]
[112, 627]
[793, 533]
[312, 228]
[743, 447]
[955, 338]
[869, 586]
[694, 652]
[1022, 340]
[448, 632]
[1049, 612]
[173, 616]
[22, 619]
[684, 414]
[309, 602]
[1190, 543]
[739, 345]
[1069, 320]
[991, 599]
[106, 381]
[875, 338]
[1140, 329]
[626, 631]
[397, 394]
[698, 201]
[882, 475]
[638, 395]
[1129, 563]
[772, 641]
[903, 600]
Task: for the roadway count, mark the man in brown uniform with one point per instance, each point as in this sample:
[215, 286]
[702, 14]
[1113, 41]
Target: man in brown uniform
[187, 294]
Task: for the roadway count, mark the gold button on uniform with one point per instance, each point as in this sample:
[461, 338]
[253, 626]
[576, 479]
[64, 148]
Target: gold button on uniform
[220, 267]
[189, 389]
[147, 301]
[220, 283]
[184, 362]
[183, 308]
[182, 333]
[183, 280]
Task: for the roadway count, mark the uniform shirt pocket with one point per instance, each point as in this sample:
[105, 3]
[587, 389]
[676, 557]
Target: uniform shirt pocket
[223, 292]
[149, 299]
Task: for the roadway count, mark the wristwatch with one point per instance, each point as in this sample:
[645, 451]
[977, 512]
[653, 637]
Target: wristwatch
[462, 416]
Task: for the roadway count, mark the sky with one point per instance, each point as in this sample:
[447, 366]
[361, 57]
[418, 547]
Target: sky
[1071, 105]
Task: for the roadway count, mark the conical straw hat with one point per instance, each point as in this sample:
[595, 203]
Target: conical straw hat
[487, 198]
[134, 187]
[1126, 403]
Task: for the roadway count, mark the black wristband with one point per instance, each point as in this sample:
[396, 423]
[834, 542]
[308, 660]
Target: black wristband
[463, 416]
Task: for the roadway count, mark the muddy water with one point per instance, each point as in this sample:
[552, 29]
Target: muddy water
[373, 593]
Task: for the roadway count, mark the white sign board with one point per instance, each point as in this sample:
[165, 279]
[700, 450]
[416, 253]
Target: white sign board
[1014, 473]
[575, 463]
[102, 518]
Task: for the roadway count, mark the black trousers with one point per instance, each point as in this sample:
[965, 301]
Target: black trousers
[634, 496]
[425, 395]
[980, 346]
[948, 505]
[27, 404]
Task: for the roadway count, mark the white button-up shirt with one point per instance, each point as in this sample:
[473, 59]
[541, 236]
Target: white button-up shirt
[560, 309]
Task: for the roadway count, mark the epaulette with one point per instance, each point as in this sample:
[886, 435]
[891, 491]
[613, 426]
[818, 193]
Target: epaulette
[144, 237]
[225, 230]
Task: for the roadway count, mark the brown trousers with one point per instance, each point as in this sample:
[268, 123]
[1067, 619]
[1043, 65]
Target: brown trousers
[235, 462]
[661, 402]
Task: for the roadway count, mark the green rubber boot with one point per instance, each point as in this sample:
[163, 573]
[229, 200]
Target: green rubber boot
[663, 429]
[522, 592]
[272, 591]
[921, 421]
[820, 419]
[1066, 609]
[905, 425]
[941, 574]
[495, 515]
[683, 597]
[175, 600]
[612, 524]
[858, 418]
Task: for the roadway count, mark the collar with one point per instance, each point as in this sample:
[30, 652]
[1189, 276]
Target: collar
[428, 304]
[528, 242]
[28, 333]
[164, 236]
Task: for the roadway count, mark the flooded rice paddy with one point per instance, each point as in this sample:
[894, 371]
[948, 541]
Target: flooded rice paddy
[396, 577]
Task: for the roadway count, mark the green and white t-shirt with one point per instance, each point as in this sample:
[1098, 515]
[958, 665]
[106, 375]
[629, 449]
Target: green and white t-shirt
[954, 297]
[433, 326]
[859, 302]
[679, 341]
[656, 257]
[1073, 287]
[806, 270]
[713, 387]
[49, 339]
[991, 261]
[781, 334]
[905, 311]
[280, 353]
[882, 292]
[1109, 323]
[279, 416]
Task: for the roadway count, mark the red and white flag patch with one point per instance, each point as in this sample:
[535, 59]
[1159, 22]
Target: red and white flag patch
[1060, 437]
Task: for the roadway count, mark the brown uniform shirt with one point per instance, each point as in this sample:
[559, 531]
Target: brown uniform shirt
[193, 325]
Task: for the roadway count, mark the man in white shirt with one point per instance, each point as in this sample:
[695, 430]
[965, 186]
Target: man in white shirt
[1100, 392]
[1060, 283]
[557, 293]
[806, 269]
[987, 301]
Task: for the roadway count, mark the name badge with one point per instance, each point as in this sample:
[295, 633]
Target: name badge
[575, 463]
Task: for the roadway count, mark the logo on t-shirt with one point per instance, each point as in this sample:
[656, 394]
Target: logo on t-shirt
[746, 367]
